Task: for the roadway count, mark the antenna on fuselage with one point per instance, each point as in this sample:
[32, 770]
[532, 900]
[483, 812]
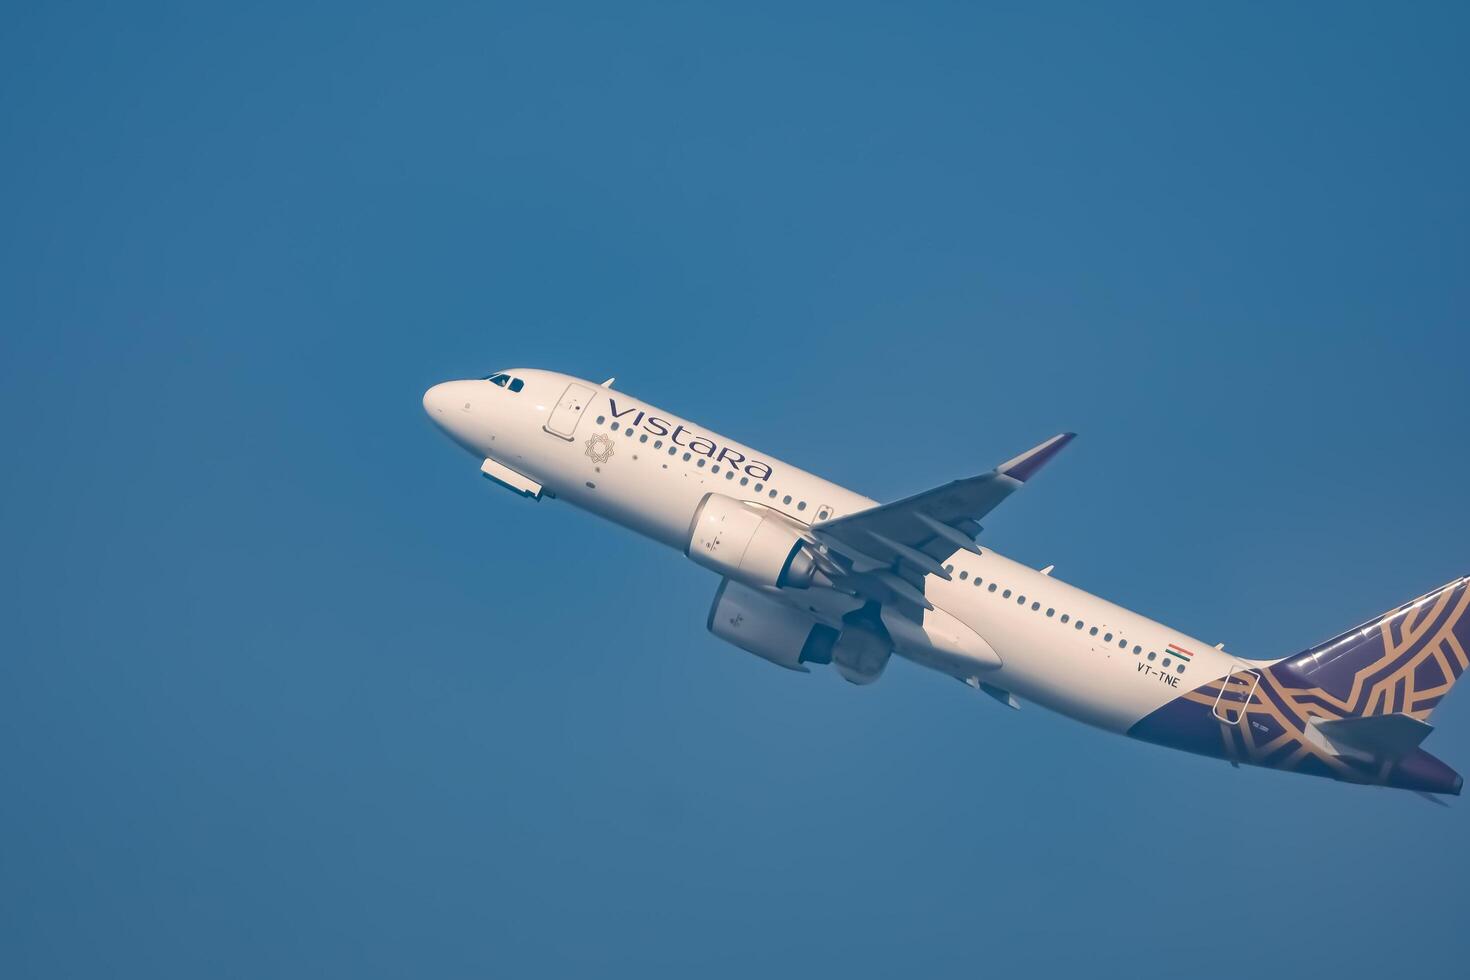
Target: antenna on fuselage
[608, 382]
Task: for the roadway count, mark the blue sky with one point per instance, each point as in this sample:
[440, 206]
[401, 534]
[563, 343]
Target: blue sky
[286, 689]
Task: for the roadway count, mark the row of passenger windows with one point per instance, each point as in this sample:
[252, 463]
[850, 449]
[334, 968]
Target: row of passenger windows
[1065, 618]
[505, 381]
[702, 461]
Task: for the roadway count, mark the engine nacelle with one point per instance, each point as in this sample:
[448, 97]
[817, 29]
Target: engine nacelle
[860, 654]
[767, 627]
[749, 544]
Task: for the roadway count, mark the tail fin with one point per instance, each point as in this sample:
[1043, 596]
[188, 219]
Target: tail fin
[1402, 662]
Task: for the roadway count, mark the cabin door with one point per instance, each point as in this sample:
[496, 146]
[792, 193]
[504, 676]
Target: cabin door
[568, 411]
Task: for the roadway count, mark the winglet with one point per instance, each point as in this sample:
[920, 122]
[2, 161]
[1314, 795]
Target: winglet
[1024, 466]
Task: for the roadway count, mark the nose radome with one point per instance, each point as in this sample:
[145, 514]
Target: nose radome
[436, 399]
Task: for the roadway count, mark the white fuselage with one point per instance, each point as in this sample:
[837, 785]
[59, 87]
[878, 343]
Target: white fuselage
[648, 470]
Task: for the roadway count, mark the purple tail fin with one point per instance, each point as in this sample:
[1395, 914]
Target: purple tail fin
[1402, 662]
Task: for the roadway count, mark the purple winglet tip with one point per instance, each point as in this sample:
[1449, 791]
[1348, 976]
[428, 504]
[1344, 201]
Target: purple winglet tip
[1024, 466]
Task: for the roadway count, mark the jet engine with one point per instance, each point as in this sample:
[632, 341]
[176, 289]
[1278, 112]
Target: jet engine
[861, 652]
[751, 544]
[767, 627]
[759, 623]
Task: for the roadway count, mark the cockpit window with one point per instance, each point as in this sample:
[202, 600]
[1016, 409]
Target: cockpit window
[505, 381]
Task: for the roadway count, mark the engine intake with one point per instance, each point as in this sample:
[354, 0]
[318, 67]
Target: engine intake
[749, 544]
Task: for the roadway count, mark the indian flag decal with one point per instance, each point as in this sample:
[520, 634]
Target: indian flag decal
[1179, 652]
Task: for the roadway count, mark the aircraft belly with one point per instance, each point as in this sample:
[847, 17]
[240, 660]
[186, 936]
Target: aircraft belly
[1096, 692]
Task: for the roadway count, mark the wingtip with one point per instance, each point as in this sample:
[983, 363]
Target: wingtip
[1024, 466]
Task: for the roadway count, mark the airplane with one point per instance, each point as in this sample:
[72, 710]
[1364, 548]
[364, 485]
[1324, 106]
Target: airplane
[812, 573]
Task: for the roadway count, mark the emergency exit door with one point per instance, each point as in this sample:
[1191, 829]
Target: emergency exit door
[1237, 692]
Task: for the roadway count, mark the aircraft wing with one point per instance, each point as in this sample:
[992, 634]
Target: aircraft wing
[893, 546]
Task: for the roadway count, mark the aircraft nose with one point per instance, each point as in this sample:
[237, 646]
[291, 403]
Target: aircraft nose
[453, 407]
[436, 400]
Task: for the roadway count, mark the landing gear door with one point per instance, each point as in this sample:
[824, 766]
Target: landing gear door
[568, 411]
[1236, 694]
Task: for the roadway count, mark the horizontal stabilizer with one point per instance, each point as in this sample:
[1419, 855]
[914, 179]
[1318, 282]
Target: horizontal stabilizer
[1380, 736]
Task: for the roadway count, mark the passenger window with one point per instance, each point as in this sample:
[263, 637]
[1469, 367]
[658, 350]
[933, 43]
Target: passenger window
[1092, 632]
[786, 499]
[1050, 612]
[1065, 617]
[1006, 594]
[964, 575]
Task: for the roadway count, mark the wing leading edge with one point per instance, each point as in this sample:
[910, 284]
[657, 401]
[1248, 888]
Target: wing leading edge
[893, 546]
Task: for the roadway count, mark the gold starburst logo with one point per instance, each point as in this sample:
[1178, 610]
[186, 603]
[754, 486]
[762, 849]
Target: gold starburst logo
[599, 448]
